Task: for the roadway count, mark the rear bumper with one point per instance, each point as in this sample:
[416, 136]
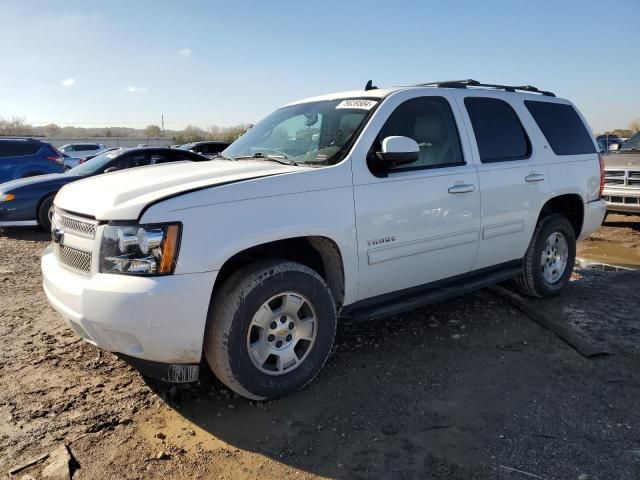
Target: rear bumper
[594, 213]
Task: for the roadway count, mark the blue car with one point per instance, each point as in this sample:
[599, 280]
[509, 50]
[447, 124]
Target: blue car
[29, 201]
[26, 157]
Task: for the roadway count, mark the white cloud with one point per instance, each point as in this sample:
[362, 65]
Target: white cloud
[69, 82]
[185, 52]
[134, 89]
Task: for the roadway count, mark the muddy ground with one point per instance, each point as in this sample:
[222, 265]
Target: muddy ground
[470, 388]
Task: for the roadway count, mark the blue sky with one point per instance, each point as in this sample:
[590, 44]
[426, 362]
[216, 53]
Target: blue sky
[207, 63]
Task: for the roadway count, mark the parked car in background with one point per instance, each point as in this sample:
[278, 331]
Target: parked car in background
[77, 151]
[209, 149]
[609, 142]
[357, 204]
[20, 158]
[622, 177]
[29, 201]
[83, 160]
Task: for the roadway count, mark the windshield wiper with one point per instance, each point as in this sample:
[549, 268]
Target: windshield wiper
[220, 155]
[281, 159]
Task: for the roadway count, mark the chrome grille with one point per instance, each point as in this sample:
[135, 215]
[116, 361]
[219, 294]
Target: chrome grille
[622, 178]
[72, 258]
[82, 227]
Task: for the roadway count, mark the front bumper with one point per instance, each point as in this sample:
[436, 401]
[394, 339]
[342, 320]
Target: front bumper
[622, 200]
[155, 319]
[594, 213]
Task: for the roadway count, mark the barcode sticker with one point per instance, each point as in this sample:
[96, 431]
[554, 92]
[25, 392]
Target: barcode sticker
[357, 103]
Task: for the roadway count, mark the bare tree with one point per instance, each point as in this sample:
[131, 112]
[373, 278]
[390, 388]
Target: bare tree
[634, 125]
[152, 131]
[51, 130]
[15, 126]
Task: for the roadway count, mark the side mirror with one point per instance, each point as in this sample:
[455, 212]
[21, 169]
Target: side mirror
[398, 151]
[613, 147]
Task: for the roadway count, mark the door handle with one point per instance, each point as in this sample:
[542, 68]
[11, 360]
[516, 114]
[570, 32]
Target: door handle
[462, 188]
[534, 177]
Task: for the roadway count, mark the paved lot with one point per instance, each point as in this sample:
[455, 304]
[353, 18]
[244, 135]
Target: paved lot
[471, 388]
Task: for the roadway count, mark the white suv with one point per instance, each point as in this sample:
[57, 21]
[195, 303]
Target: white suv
[357, 204]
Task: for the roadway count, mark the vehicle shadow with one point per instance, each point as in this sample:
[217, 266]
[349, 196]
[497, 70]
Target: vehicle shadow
[632, 225]
[622, 221]
[420, 395]
[30, 234]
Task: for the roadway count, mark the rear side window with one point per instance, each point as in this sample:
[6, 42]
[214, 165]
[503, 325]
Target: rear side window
[498, 130]
[562, 127]
[18, 149]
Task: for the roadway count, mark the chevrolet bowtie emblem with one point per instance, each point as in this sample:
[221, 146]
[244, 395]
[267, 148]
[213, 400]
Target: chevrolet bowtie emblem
[57, 235]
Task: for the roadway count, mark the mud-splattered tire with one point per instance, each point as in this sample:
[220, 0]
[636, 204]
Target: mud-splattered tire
[242, 347]
[538, 278]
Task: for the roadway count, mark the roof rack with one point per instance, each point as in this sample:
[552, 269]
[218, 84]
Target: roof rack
[474, 83]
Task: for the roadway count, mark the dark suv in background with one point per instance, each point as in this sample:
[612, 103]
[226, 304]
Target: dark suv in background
[208, 149]
[26, 157]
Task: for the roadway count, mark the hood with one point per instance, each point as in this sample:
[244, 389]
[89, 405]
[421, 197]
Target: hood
[123, 195]
[39, 181]
[622, 160]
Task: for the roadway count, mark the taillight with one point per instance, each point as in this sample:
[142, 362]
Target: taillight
[58, 160]
[601, 159]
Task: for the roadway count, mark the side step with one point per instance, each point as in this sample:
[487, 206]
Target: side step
[410, 301]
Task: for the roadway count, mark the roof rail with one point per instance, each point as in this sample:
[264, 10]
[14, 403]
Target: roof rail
[474, 83]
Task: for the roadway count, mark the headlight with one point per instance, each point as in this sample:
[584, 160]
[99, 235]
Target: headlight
[6, 197]
[140, 249]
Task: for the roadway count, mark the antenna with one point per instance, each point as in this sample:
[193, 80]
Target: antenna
[369, 86]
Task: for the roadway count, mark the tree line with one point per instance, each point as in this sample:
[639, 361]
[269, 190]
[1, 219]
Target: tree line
[18, 126]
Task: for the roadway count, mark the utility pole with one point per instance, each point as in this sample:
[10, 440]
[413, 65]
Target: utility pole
[162, 124]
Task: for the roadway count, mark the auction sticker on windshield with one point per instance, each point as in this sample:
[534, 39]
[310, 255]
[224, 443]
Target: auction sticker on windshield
[357, 103]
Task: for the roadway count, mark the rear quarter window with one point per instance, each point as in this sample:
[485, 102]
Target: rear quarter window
[498, 130]
[18, 149]
[562, 127]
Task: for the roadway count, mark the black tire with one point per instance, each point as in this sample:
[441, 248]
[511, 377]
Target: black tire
[531, 281]
[44, 213]
[229, 320]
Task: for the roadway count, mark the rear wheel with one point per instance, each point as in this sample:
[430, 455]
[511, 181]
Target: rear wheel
[45, 213]
[270, 329]
[548, 263]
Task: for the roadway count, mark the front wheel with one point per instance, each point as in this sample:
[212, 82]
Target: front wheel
[548, 263]
[270, 329]
[45, 213]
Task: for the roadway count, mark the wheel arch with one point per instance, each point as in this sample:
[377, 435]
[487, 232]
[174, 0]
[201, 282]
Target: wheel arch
[42, 199]
[319, 253]
[570, 205]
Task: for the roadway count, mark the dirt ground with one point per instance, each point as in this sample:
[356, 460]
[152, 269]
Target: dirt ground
[469, 388]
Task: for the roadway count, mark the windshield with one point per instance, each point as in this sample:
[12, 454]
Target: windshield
[96, 163]
[187, 146]
[309, 134]
[632, 144]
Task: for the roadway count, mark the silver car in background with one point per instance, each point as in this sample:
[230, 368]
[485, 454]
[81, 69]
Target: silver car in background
[622, 177]
[78, 151]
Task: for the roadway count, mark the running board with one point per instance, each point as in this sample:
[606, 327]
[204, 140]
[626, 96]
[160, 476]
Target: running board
[410, 301]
